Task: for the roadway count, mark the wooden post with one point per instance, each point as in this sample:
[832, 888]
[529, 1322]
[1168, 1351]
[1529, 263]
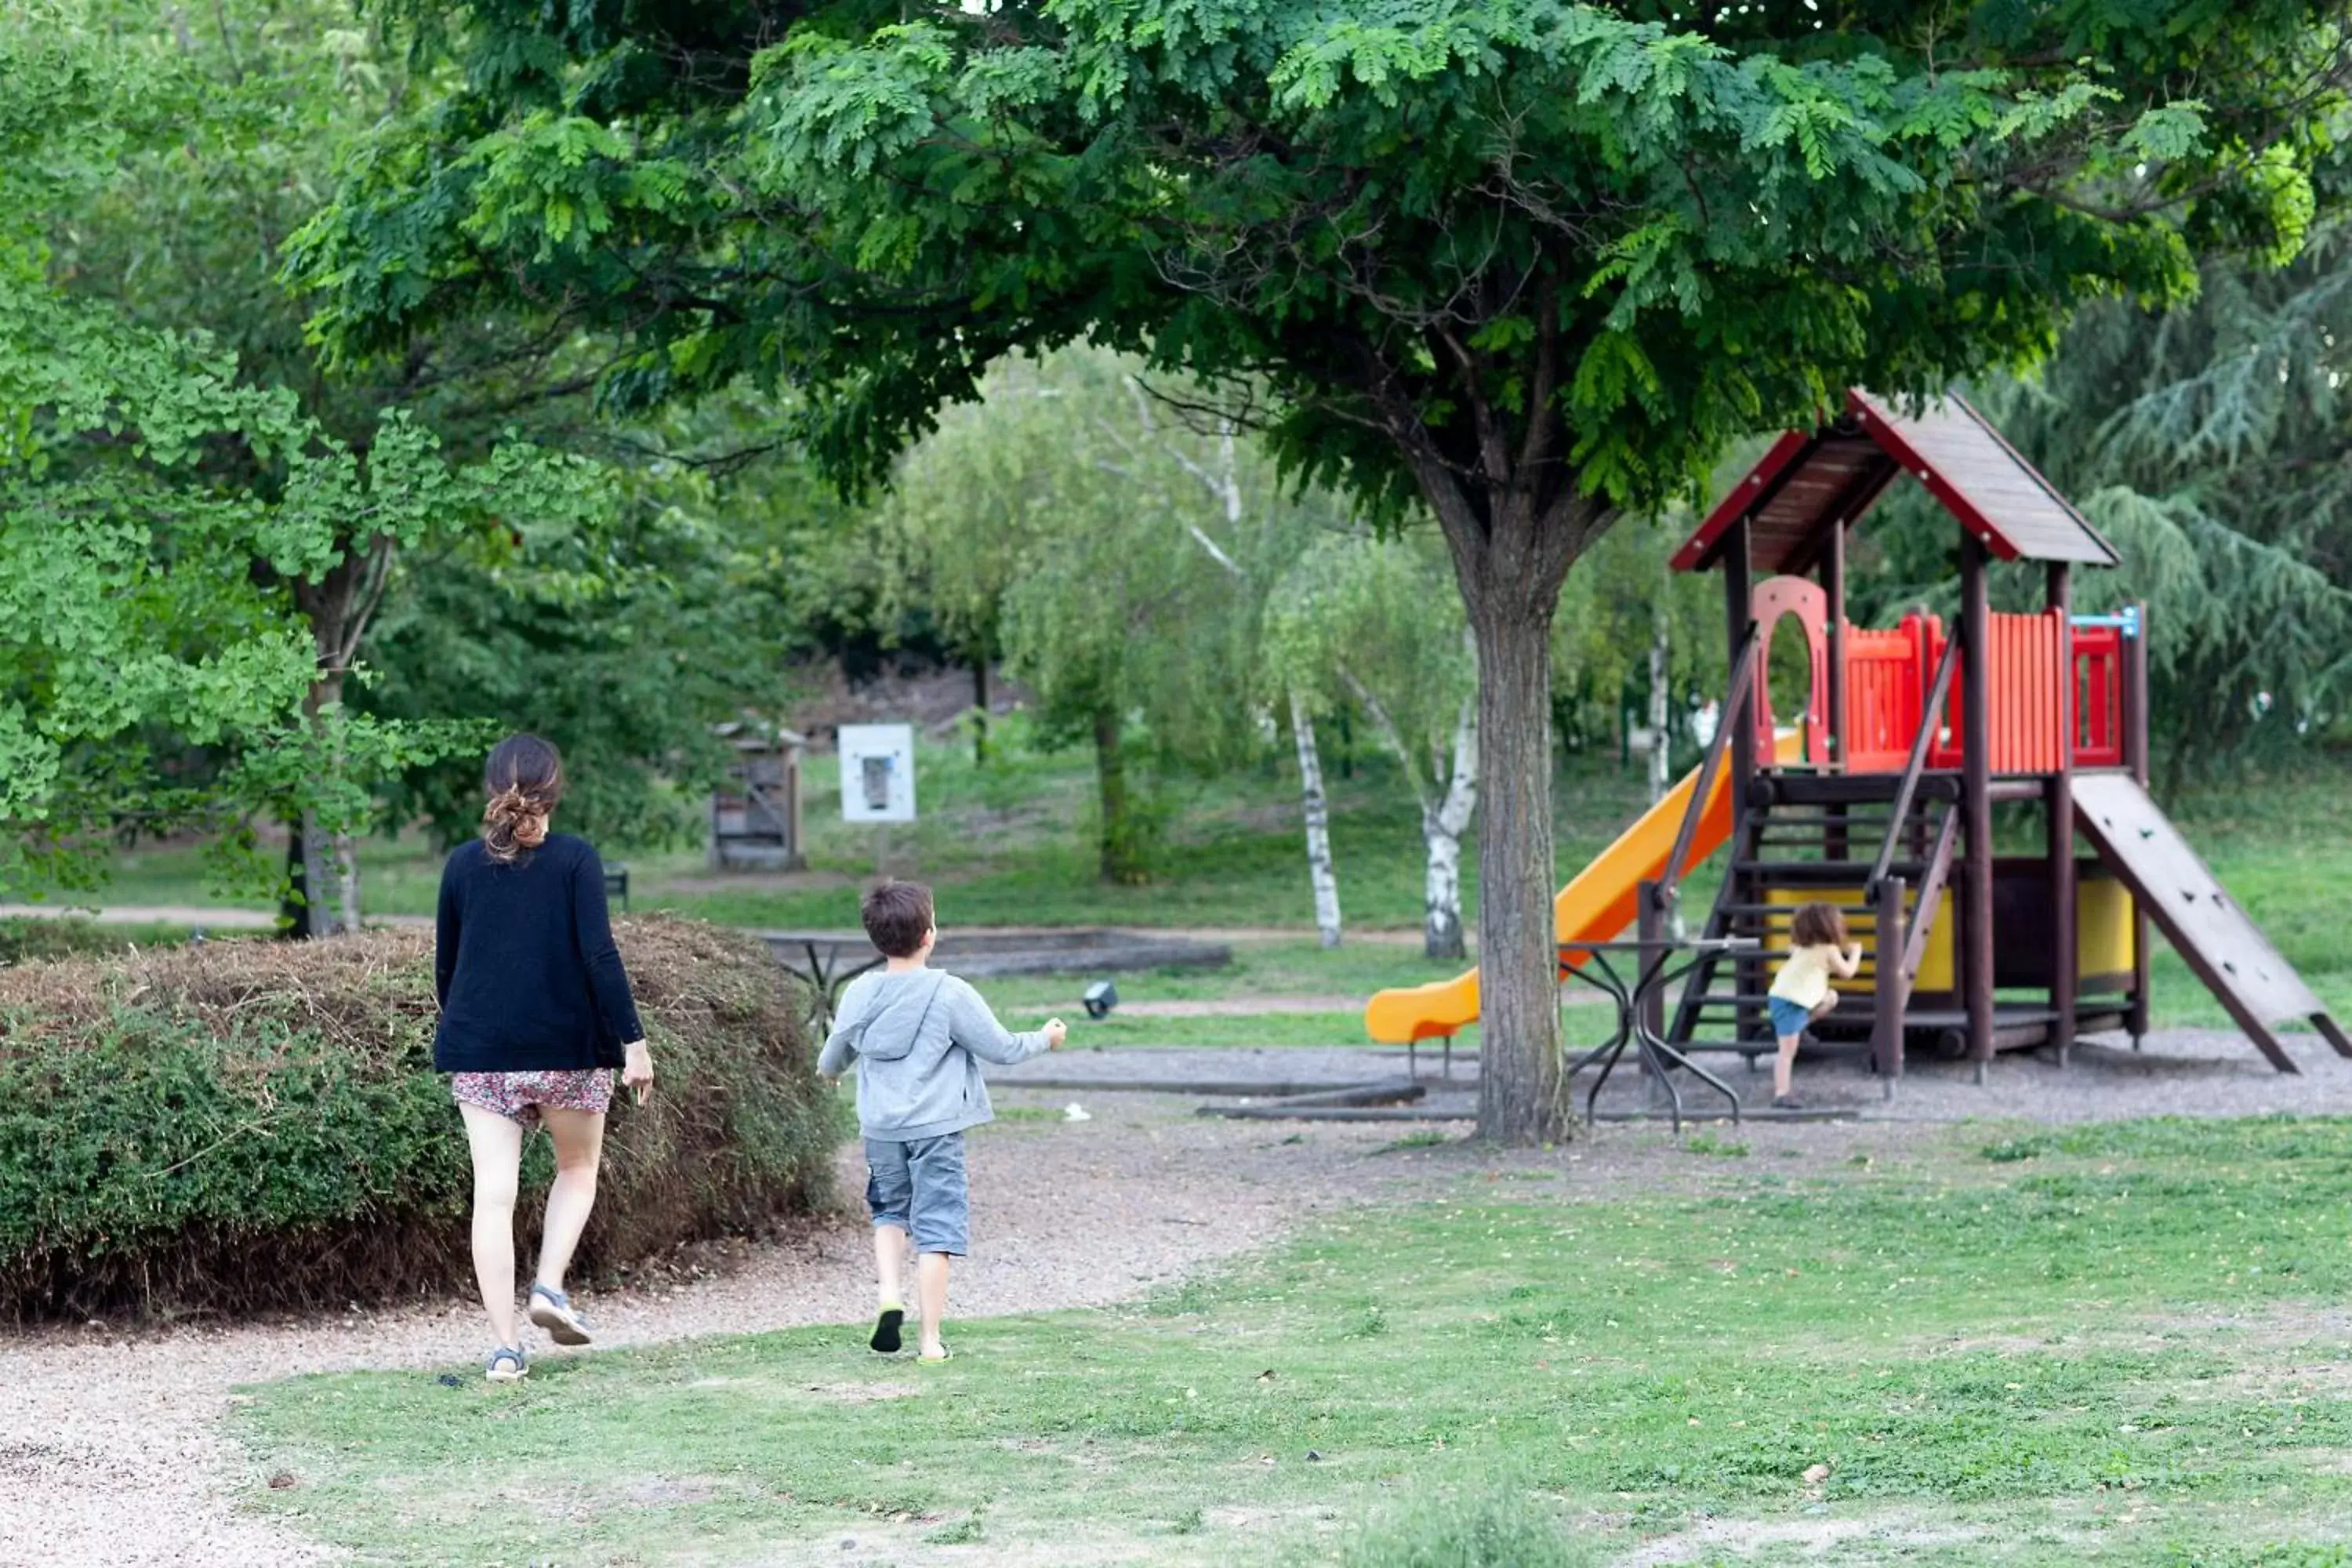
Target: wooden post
[2065, 962]
[1976, 799]
[1834, 844]
[1650, 925]
[1738, 616]
[1893, 986]
[797, 857]
[2135, 660]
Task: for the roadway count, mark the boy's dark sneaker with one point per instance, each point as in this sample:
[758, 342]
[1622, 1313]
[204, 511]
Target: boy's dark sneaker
[1787, 1102]
[887, 1323]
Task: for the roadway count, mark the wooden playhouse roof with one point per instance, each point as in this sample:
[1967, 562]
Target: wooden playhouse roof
[1810, 482]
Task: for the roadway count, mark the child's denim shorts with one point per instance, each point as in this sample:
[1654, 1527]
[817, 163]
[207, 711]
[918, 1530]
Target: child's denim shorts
[920, 1187]
[1788, 1018]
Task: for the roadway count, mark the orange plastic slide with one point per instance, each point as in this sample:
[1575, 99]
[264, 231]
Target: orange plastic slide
[1599, 904]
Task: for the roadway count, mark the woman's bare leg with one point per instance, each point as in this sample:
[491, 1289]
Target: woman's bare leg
[497, 1144]
[579, 1137]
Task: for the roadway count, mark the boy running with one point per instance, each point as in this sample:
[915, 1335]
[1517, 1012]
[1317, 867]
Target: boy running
[918, 1037]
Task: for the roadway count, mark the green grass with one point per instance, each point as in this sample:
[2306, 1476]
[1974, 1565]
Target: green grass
[2122, 1343]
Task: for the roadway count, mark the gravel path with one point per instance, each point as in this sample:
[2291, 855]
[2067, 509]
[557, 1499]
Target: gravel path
[91, 1420]
[2181, 1072]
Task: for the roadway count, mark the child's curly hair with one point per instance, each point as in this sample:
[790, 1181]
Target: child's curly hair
[1819, 925]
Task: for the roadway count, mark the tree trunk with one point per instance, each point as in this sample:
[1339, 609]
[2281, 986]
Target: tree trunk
[980, 711]
[1320, 873]
[1513, 518]
[1121, 856]
[294, 908]
[345, 848]
[1440, 834]
[330, 869]
[1440, 896]
[1518, 952]
[1660, 711]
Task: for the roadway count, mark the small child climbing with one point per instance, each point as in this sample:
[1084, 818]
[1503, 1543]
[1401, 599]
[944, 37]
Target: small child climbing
[917, 1037]
[1819, 949]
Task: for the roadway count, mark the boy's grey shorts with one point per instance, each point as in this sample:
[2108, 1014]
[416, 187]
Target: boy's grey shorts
[920, 1187]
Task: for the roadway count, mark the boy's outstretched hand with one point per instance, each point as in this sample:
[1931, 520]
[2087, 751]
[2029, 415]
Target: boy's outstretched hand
[1056, 1032]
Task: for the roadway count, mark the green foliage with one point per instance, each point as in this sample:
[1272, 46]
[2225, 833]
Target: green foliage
[1118, 558]
[1660, 229]
[621, 640]
[257, 1124]
[1618, 601]
[161, 516]
[31, 939]
[2205, 445]
[1355, 617]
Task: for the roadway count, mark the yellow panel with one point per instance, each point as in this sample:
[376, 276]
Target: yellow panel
[1935, 967]
[2103, 926]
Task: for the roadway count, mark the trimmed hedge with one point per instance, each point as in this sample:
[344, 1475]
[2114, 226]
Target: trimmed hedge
[250, 1125]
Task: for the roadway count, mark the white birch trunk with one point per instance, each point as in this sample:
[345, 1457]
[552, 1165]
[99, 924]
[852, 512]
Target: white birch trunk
[1661, 711]
[1320, 872]
[1441, 832]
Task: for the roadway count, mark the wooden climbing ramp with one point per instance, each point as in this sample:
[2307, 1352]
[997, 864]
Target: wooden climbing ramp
[2246, 974]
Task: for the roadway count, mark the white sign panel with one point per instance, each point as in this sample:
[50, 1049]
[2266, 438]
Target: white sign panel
[878, 773]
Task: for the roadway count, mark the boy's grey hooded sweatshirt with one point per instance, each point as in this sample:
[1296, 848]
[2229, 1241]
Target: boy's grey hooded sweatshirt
[919, 1037]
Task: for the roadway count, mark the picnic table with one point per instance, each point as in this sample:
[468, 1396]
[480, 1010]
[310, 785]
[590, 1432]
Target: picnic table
[1656, 964]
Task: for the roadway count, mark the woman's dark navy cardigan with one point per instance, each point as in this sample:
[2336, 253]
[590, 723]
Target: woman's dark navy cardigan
[524, 963]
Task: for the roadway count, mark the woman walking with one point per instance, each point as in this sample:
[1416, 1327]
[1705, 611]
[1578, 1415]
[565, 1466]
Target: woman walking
[535, 1014]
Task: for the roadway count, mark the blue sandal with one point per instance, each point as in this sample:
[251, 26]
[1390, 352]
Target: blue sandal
[552, 1311]
[506, 1365]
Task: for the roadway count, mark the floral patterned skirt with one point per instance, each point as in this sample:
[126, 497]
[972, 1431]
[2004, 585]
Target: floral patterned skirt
[518, 1095]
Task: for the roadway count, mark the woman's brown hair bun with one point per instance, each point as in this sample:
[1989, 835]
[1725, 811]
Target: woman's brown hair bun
[524, 780]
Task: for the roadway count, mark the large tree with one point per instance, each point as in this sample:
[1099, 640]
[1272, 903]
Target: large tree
[1526, 262]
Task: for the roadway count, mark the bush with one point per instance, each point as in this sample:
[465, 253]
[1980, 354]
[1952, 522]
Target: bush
[245, 1125]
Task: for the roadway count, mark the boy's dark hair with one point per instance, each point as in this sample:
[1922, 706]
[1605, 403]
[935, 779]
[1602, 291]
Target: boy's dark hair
[1819, 925]
[897, 914]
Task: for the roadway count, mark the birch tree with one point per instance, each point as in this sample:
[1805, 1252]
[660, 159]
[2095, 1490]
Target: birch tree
[1068, 514]
[1220, 473]
[1356, 619]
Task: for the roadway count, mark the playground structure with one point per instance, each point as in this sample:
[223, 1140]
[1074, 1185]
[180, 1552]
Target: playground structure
[1878, 794]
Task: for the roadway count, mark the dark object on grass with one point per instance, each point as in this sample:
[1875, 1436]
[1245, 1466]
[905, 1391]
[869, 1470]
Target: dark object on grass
[449, 1379]
[1100, 998]
[257, 1124]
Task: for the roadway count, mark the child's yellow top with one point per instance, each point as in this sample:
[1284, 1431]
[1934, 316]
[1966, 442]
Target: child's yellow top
[1804, 978]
